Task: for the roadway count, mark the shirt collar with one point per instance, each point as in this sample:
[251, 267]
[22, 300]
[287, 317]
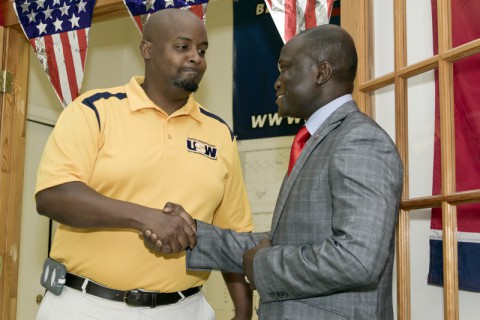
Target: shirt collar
[319, 116]
[138, 99]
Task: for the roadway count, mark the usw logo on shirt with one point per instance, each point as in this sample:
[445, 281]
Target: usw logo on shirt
[202, 148]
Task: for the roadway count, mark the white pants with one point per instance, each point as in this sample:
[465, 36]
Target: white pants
[75, 305]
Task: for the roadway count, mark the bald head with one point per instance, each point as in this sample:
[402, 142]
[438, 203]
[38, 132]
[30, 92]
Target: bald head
[164, 20]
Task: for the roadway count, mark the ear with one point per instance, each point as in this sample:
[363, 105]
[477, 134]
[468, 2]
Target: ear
[323, 72]
[145, 48]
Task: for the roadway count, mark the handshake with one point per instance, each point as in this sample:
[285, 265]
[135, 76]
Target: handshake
[173, 231]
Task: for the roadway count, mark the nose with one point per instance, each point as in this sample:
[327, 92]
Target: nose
[277, 83]
[196, 57]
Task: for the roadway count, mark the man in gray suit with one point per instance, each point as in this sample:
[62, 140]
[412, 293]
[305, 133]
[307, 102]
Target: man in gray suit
[329, 253]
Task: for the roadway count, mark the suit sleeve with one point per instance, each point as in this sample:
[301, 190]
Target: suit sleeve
[221, 249]
[364, 182]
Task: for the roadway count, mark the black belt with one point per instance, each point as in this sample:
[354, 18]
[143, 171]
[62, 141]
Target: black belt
[135, 297]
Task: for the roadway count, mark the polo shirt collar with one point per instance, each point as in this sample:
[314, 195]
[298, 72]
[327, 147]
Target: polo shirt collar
[138, 99]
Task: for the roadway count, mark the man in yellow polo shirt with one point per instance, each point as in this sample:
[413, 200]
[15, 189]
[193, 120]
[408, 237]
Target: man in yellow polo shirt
[114, 159]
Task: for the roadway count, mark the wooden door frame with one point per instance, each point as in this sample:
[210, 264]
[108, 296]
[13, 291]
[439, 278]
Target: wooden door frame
[14, 58]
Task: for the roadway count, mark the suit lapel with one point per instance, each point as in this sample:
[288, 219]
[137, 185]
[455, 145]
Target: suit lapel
[333, 121]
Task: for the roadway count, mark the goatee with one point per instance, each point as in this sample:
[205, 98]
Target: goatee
[190, 85]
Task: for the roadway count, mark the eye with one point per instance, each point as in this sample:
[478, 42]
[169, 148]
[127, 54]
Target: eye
[181, 47]
[202, 52]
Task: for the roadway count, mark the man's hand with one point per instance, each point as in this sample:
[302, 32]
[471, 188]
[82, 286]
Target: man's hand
[178, 210]
[248, 257]
[172, 232]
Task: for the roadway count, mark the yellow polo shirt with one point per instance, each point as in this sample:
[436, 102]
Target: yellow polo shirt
[123, 146]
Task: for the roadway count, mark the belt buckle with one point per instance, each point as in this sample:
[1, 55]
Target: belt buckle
[153, 303]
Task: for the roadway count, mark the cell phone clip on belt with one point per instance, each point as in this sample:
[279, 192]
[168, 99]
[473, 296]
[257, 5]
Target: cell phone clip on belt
[53, 276]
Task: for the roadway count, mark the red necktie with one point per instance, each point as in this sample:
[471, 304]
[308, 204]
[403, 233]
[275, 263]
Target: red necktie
[297, 146]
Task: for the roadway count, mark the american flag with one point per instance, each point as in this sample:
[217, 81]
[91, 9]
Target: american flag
[58, 32]
[140, 10]
[293, 16]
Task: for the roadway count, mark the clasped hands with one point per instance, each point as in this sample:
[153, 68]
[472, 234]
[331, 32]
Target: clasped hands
[175, 232]
[178, 232]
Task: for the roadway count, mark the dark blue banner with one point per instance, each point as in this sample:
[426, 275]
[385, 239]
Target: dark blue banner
[257, 46]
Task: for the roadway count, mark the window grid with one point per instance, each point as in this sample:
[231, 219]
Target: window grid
[356, 18]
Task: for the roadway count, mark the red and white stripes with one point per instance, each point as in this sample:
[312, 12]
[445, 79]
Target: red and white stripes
[293, 16]
[63, 56]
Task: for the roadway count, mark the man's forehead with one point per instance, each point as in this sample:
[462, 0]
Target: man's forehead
[292, 47]
[189, 37]
[179, 32]
[173, 20]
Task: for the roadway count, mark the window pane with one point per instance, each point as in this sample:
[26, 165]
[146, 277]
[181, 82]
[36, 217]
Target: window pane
[468, 250]
[383, 37]
[466, 73]
[383, 105]
[422, 294]
[468, 305]
[421, 129]
[419, 30]
[465, 25]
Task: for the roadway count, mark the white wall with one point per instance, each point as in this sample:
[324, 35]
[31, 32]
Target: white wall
[113, 57]
[34, 229]
[215, 91]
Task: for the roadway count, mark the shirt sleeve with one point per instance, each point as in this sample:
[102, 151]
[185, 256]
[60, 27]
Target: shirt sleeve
[71, 149]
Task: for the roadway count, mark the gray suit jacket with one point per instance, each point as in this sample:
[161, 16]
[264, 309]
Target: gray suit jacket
[332, 229]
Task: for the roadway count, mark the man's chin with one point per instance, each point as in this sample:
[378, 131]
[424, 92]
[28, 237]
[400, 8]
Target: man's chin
[281, 108]
[189, 86]
[281, 113]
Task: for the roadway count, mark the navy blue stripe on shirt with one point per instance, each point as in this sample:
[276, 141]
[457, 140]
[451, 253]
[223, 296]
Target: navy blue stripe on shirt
[90, 101]
[214, 116]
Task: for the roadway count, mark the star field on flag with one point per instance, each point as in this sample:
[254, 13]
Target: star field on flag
[58, 32]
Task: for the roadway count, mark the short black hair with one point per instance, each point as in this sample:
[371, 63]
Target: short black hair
[333, 44]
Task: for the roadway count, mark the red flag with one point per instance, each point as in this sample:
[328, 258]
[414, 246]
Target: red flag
[58, 32]
[293, 16]
[140, 10]
[466, 73]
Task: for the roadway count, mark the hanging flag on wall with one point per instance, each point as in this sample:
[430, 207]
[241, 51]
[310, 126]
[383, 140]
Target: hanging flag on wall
[58, 32]
[294, 16]
[140, 10]
[257, 46]
[466, 72]
[335, 13]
